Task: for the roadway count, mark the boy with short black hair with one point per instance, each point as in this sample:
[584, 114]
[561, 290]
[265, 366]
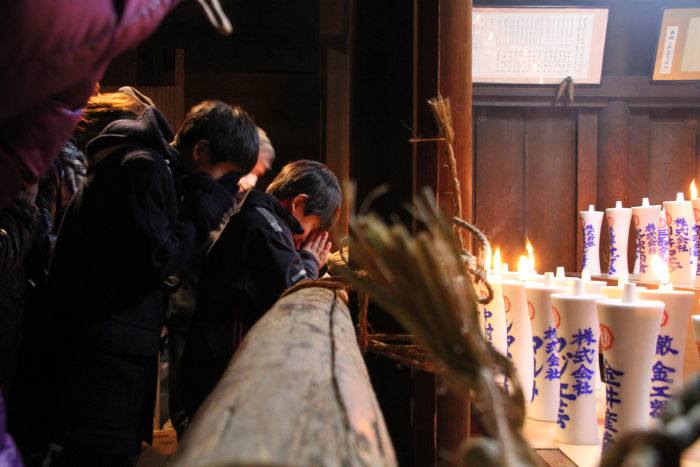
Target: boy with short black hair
[127, 233]
[277, 239]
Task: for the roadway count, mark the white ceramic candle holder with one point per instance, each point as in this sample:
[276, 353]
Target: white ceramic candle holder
[681, 241]
[592, 287]
[696, 331]
[667, 365]
[696, 215]
[616, 291]
[628, 330]
[618, 226]
[519, 335]
[560, 278]
[591, 221]
[546, 346]
[576, 421]
[493, 316]
[507, 275]
[645, 220]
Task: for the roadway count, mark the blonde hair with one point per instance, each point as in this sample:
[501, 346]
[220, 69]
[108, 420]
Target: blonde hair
[103, 109]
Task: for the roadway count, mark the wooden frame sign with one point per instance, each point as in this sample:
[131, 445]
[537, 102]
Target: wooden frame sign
[538, 45]
[678, 52]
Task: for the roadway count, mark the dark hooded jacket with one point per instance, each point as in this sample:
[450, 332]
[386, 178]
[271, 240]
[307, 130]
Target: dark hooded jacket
[52, 53]
[123, 237]
[17, 231]
[244, 274]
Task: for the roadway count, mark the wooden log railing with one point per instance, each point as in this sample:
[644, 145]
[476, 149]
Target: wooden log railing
[296, 392]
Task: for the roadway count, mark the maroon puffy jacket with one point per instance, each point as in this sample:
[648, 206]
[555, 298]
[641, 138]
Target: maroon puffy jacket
[52, 53]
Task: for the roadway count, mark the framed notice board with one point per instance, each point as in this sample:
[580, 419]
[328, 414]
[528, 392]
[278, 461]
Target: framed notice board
[678, 52]
[538, 45]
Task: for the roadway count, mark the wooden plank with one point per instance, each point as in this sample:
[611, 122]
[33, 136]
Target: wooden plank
[554, 458]
[638, 170]
[672, 152]
[586, 166]
[550, 193]
[500, 180]
[296, 392]
[613, 157]
[337, 156]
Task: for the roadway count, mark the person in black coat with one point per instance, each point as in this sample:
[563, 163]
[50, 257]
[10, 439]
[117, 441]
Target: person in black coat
[127, 232]
[277, 239]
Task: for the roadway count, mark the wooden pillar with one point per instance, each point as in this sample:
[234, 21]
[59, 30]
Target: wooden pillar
[454, 78]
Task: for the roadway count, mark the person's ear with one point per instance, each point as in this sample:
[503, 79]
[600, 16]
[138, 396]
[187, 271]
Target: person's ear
[200, 151]
[299, 202]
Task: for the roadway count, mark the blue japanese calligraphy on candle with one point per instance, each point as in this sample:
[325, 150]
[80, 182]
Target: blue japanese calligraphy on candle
[546, 348]
[591, 222]
[680, 222]
[645, 220]
[579, 328]
[662, 243]
[613, 379]
[618, 227]
[628, 330]
[520, 347]
[667, 366]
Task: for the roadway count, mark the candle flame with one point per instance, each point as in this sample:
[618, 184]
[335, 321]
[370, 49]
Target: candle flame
[693, 190]
[530, 255]
[660, 269]
[497, 260]
[523, 265]
[487, 260]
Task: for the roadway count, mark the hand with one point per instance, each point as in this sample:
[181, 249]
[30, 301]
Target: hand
[318, 245]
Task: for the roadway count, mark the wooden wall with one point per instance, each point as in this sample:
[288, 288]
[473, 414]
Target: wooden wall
[537, 162]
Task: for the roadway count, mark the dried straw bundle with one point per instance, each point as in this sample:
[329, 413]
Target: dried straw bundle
[421, 281]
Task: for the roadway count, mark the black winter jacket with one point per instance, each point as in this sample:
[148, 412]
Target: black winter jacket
[17, 230]
[121, 239]
[244, 274]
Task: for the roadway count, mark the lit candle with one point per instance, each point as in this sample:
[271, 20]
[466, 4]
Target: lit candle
[530, 256]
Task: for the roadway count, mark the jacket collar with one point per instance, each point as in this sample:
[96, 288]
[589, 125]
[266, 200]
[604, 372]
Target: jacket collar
[259, 199]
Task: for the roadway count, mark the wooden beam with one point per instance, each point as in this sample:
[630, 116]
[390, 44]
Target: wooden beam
[637, 91]
[297, 392]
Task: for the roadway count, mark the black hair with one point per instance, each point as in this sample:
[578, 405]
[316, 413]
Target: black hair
[230, 131]
[315, 180]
